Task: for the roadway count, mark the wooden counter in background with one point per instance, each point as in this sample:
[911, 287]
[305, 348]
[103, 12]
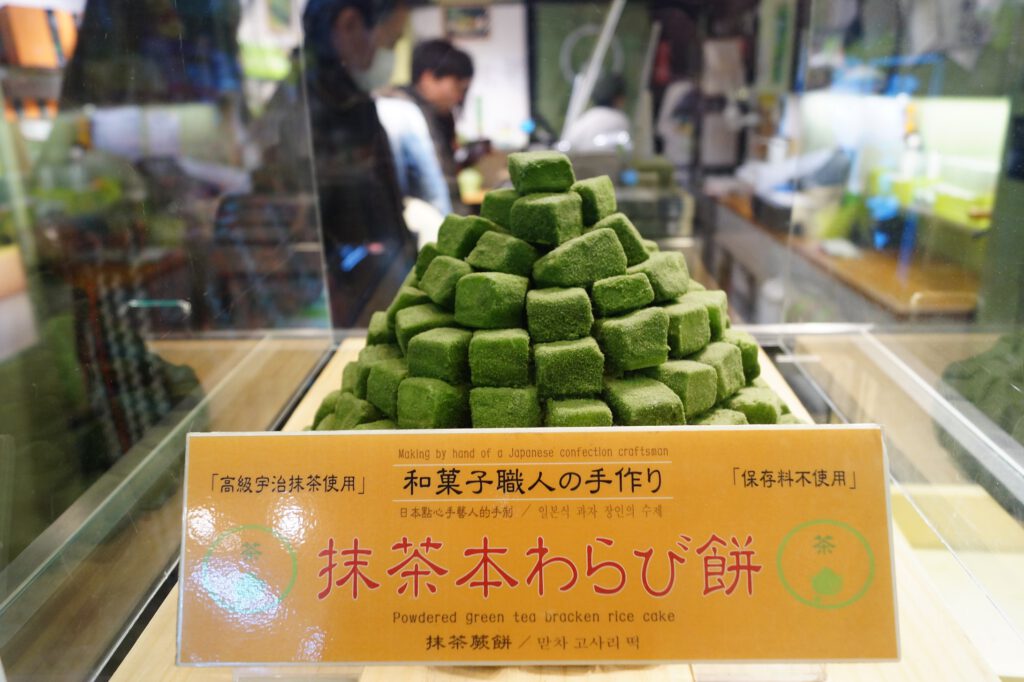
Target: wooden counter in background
[919, 287]
[934, 648]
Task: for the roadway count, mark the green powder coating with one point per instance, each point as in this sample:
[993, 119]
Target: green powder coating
[411, 280]
[327, 406]
[629, 237]
[748, 351]
[667, 272]
[379, 425]
[543, 171]
[459, 234]
[351, 411]
[379, 333]
[353, 378]
[549, 219]
[760, 405]
[689, 328]
[490, 300]
[497, 205]
[427, 254]
[441, 353]
[621, 294]
[425, 403]
[558, 314]
[789, 419]
[569, 368]
[722, 417]
[640, 401]
[598, 195]
[695, 383]
[406, 297]
[718, 309]
[696, 286]
[498, 252]
[651, 246]
[500, 358]
[382, 385]
[328, 423]
[581, 261]
[440, 279]
[371, 354]
[418, 319]
[634, 341]
[504, 408]
[728, 363]
[578, 412]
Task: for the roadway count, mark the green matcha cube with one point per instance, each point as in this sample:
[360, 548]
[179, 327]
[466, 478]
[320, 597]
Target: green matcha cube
[695, 383]
[568, 368]
[695, 286]
[500, 357]
[490, 300]
[578, 412]
[558, 314]
[689, 328]
[327, 406]
[382, 385]
[351, 411]
[459, 234]
[651, 246]
[379, 425]
[427, 254]
[789, 419]
[328, 423]
[498, 252]
[629, 237]
[722, 417]
[748, 350]
[667, 272]
[598, 195]
[504, 408]
[370, 354]
[441, 277]
[718, 309]
[379, 333]
[549, 219]
[640, 401]
[415, 320]
[634, 341]
[411, 280]
[581, 261]
[441, 353]
[497, 205]
[354, 376]
[406, 297]
[425, 403]
[621, 294]
[728, 363]
[760, 405]
[544, 171]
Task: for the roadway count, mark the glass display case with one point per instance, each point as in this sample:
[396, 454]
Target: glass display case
[183, 249]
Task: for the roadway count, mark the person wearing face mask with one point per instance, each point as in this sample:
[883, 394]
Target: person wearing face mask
[441, 76]
[367, 247]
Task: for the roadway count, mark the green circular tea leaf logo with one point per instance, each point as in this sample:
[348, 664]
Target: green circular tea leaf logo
[826, 564]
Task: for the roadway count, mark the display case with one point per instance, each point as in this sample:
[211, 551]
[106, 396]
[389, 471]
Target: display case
[166, 267]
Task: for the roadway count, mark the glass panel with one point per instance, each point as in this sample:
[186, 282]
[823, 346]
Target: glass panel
[152, 282]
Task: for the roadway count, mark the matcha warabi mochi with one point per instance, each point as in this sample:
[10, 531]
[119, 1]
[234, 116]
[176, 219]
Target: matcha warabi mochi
[495, 326]
[598, 195]
[621, 294]
[558, 314]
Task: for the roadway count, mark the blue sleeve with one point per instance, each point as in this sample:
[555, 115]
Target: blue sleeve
[425, 177]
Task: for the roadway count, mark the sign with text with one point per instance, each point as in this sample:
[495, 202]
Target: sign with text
[546, 546]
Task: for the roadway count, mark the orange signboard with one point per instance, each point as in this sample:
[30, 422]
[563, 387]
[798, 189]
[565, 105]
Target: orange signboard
[546, 546]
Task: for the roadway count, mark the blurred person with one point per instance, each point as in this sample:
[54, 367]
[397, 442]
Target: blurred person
[605, 126]
[441, 76]
[367, 248]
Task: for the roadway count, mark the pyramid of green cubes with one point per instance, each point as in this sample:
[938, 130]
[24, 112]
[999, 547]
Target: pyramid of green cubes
[550, 309]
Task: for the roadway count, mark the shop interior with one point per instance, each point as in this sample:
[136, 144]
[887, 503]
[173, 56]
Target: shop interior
[850, 172]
